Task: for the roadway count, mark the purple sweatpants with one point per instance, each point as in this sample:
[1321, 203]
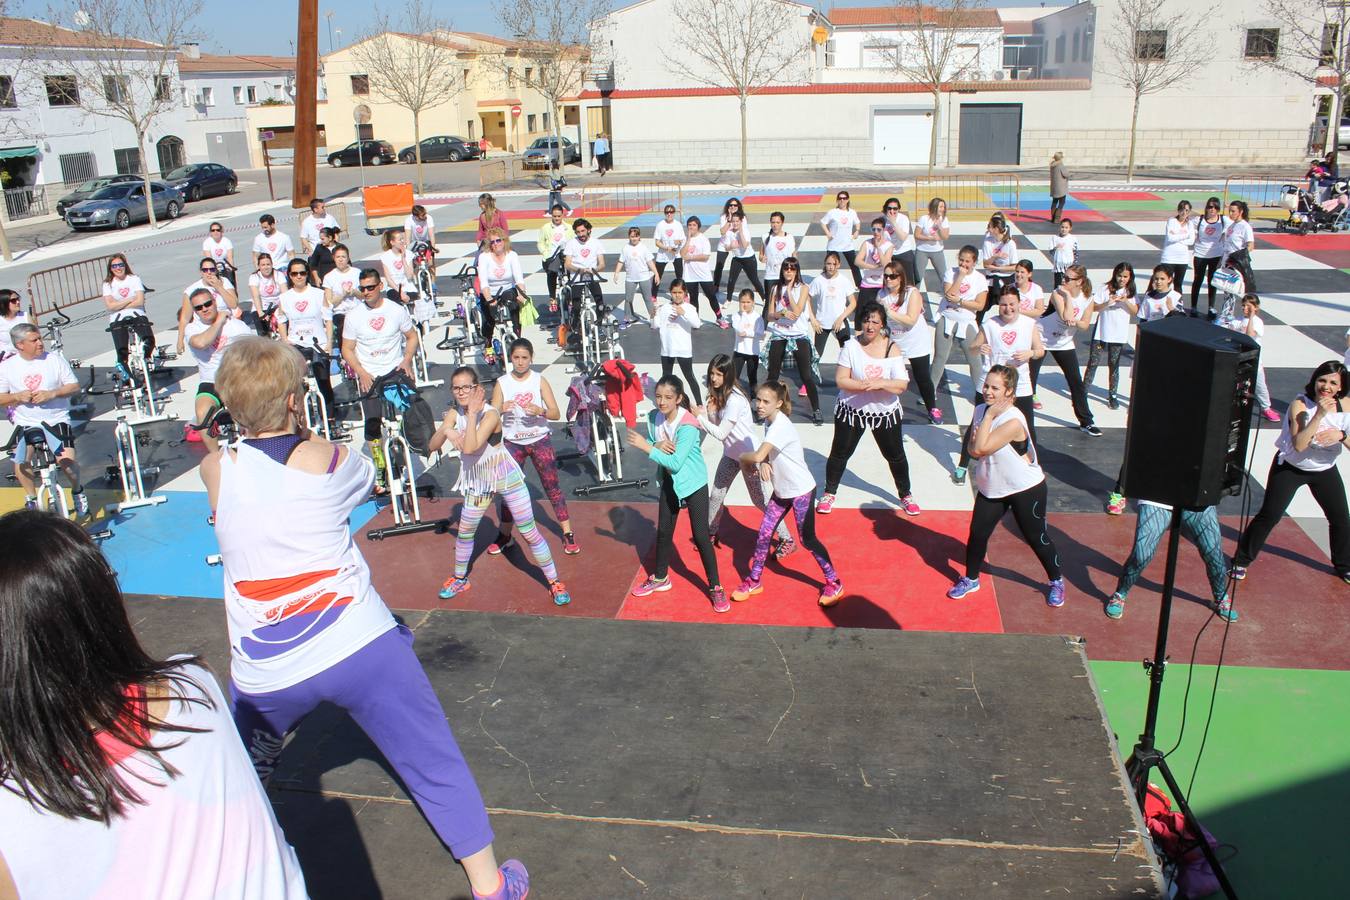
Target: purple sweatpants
[384, 689]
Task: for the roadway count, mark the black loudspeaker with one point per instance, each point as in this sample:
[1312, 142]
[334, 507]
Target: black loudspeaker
[1190, 413]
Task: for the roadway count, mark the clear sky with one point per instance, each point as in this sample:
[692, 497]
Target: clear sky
[268, 26]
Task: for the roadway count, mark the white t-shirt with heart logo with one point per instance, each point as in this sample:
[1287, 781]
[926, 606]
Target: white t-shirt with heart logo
[959, 320]
[304, 313]
[42, 373]
[1313, 459]
[636, 262]
[208, 358]
[217, 250]
[1005, 340]
[120, 290]
[1056, 334]
[342, 286]
[839, 225]
[277, 245]
[669, 234]
[777, 247]
[519, 427]
[270, 288]
[498, 275]
[830, 296]
[583, 256]
[698, 270]
[379, 335]
[863, 367]
[397, 269]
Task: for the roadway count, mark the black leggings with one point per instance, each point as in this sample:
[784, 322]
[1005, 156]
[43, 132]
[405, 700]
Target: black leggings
[890, 441]
[751, 364]
[1057, 207]
[923, 376]
[319, 366]
[718, 267]
[1112, 353]
[1178, 271]
[801, 351]
[508, 300]
[668, 510]
[1205, 267]
[750, 266]
[1282, 483]
[1067, 360]
[661, 269]
[823, 338]
[1028, 508]
[121, 335]
[850, 258]
[906, 259]
[687, 369]
[709, 290]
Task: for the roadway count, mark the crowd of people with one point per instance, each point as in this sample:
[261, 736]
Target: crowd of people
[306, 623]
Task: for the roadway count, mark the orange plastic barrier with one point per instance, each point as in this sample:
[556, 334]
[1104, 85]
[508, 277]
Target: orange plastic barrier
[387, 202]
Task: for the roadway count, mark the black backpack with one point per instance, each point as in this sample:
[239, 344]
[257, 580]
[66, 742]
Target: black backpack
[419, 423]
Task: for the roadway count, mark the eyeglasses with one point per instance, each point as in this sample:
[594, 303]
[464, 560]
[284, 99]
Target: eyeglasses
[210, 271]
[461, 388]
[117, 265]
[214, 230]
[496, 241]
[203, 307]
[842, 197]
[369, 287]
[891, 276]
[878, 228]
[670, 212]
[295, 272]
[790, 267]
[892, 209]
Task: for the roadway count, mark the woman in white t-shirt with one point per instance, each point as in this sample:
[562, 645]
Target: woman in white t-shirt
[1179, 233]
[129, 761]
[728, 418]
[1034, 301]
[930, 235]
[778, 246]
[965, 291]
[420, 228]
[124, 298]
[875, 252]
[220, 248]
[1249, 323]
[1007, 475]
[305, 320]
[668, 236]
[11, 313]
[698, 275]
[743, 256]
[998, 255]
[1316, 431]
[1208, 250]
[790, 329]
[266, 285]
[834, 301]
[1012, 341]
[748, 326]
[841, 230]
[1071, 312]
[305, 623]
[732, 205]
[901, 232]
[639, 268]
[794, 489]
[1114, 305]
[904, 318]
[340, 286]
[396, 263]
[1238, 242]
[500, 283]
[675, 322]
[871, 377]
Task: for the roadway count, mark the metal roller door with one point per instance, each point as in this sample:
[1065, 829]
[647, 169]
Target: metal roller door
[991, 133]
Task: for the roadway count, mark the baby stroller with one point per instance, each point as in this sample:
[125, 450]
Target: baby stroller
[1307, 215]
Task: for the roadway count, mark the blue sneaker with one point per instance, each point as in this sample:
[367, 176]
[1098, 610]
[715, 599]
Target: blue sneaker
[959, 475]
[453, 587]
[1224, 609]
[1055, 598]
[962, 587]
[515, 883]
[1115, 607]
[559, 592]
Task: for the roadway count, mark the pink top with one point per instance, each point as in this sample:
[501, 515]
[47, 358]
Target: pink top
[498, 221]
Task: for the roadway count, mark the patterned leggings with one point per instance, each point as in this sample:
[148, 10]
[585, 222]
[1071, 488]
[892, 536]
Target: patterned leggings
[804, 509]
[1112, 353]
[1201, 527]
[723, 479]
[516, 496]
[546, 464]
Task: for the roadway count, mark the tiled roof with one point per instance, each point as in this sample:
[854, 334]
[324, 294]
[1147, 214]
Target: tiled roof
[210, 62]
[16, 32]
[907, 17]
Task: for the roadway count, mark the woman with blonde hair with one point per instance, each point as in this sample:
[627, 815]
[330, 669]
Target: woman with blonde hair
[489, 217]
[500, 283]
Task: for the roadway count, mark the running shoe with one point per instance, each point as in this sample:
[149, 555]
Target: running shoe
[559, 592]
[569, 544]
[503, 543]
[453, 587]
[962, 587]
[1344, 576]
[831, 593]
[515, 883]
[1115, 607]
[719, 600]
[1090, 429]
[1238, 572]
[817, 417]
[785, 548]
[722, 322]
[1036, 402]
[1112, 402]
[30, 503]
[81, 503]
[801, 391]
[747, 590]
[1224, 609]
[1270, 415]
[825, 505]
[908, 506]
[1115, 504]
[1055, 598]
[959, 475]
[651, 586]
[935, 416]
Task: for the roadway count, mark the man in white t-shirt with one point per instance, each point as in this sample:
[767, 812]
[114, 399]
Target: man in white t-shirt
[582, 255]
[208, 334]
[379, 341]
[39, 386]
[273, 243]
[317, 220]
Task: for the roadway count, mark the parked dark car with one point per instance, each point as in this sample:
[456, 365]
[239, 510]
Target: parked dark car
[120, 205]
[373, 153]
[203, 180]
[441, 147]
[544, 152]
[88, 188]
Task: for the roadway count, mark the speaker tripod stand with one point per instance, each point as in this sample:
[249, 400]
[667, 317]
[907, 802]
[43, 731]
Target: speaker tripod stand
[1146, 756]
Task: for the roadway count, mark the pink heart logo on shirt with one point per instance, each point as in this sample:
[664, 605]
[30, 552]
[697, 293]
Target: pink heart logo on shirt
[872, 371]
[524, 398]
[271, 248]
[585, 253]
[220, 340]
[270, 288]
[498, 272]
[301, 305]
[32, 382]
[377, 323]
[124, 292]
[398, 264]
[780, 244]
[1009, 337]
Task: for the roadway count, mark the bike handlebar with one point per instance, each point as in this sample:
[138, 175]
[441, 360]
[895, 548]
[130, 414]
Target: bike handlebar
[466, 271]
[575, 276]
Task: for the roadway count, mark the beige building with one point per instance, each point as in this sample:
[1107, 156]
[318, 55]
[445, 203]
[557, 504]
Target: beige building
[497, 98]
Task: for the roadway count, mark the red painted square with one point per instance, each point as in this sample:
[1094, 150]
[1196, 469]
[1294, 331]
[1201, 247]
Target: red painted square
[1114, 195]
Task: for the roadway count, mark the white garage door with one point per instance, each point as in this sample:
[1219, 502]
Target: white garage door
[901, 137]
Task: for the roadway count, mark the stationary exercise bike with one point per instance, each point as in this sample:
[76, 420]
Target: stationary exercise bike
[606, 444]
[127, 470]
[316, 410]
[400, 476]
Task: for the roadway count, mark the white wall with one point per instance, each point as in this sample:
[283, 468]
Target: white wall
[855, 58]
[266, 85]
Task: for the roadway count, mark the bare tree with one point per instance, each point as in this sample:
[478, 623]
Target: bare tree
[1308, 41]
[742, 45]
[1152, 44]
[411, 63]
[931, 46]
[562, 41]
[126, 64]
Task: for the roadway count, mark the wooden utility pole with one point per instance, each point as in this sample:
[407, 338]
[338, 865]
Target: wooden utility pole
[306, 104]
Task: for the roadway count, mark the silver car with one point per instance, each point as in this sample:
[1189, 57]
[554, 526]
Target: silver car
[121, 205]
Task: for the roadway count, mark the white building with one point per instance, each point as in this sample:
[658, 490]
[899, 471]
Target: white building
[1024, 83]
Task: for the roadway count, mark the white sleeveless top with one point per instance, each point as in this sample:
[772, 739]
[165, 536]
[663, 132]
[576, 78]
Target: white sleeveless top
[1005, 340]
[1315, 458]
[298, 597]
[915, 340]
[868, 408]
[207, 834]
[489, 469]
[1055, 333]
[517, 427]
[1005, 471]
[870, 262]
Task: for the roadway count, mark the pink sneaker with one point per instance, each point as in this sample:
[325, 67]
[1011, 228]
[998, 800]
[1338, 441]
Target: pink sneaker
[719, 600]
[825, 504]
[1270, 415]
[831, 593]
[652, 585]
[908, 505]
[747, 590]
